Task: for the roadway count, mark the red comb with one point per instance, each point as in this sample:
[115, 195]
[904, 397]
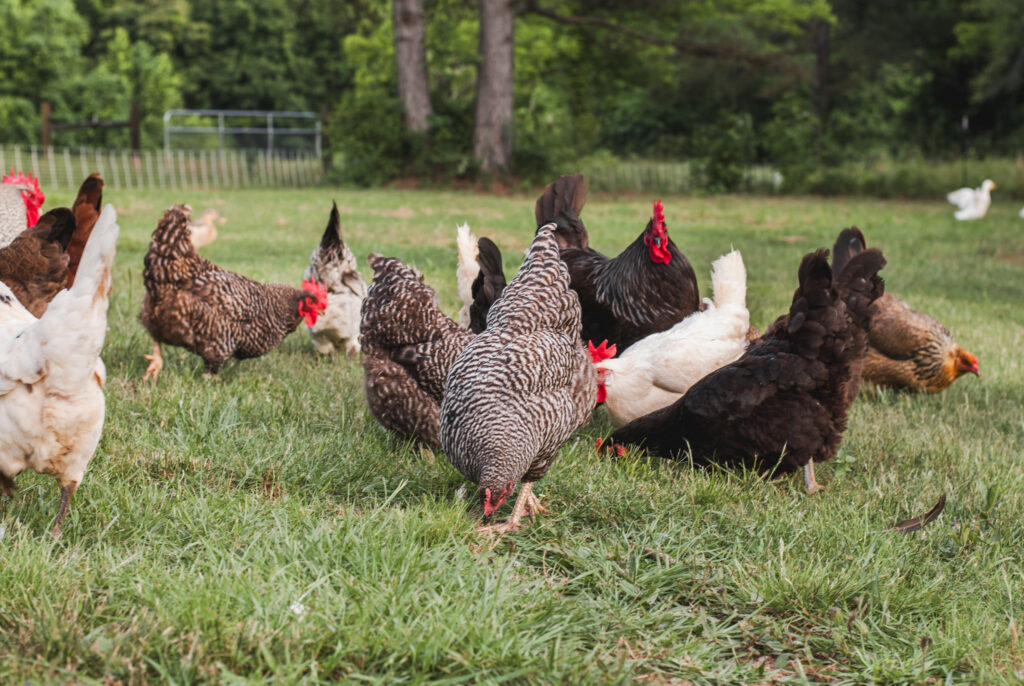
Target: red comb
[659, 215]
[33, 197]
[601, 352]
[309, 311]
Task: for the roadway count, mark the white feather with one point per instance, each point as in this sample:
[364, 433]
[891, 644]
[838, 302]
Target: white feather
[467, 271]
[972, 203]
[657, 370]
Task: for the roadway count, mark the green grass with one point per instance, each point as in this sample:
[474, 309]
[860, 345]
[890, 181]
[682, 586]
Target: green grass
[264, 528]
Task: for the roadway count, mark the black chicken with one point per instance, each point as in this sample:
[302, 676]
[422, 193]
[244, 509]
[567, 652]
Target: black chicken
[648, 288]
[783, 404]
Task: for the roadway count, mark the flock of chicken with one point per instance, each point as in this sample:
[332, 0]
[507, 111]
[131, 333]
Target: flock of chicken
[501, 390]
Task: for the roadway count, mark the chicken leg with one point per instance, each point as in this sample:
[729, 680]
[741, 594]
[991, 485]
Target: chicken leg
[810, 483]
[156, 363]
[526, 504]
[65, 499]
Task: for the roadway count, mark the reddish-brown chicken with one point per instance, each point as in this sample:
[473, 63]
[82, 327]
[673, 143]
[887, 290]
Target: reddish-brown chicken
[408, 346]
[35, 264]
[782, 405]
[648, 288]
[87, 210]
[216, 314]
[906, 348]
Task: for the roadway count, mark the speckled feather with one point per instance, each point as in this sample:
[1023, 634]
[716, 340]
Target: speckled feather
[334, 265]
[788, 393]
[522, 387]
[408, 345]
[216, 314]
[12, 213]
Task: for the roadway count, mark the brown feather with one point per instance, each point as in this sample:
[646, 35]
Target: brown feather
[87, 210]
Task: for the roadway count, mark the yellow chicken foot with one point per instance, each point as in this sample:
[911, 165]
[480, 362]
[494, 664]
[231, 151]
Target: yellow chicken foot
[525, 501]
[533, 506]
[65, 500]
[809, 481]
[156, 363]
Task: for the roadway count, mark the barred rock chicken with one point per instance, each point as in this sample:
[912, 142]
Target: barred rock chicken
[51, 374]
[35, 264]
[522, 387]
[87, 210]
[216, 314]
[334, 265]
[906, 348]
[408, 347]
[480, 276]
[658, 369]
[649, 287]
[20, 200]
[782, 405]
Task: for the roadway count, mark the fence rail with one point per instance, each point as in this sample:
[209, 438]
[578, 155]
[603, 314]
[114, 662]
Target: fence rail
[65, 168]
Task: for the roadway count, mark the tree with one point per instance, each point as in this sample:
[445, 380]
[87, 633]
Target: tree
[411, 62]
[493, 129]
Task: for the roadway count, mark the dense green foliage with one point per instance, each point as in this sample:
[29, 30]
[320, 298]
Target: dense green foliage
[263, 526]
[802, 85]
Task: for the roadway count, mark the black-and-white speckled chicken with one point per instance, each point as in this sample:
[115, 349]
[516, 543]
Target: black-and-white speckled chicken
[522, 387]
[334, 265]
[409, 345]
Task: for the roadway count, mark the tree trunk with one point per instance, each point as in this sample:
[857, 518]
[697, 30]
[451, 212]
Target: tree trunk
[492, 134]
[411, 56]
[821, 44]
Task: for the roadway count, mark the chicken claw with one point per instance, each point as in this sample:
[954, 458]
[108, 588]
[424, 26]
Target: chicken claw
[156, 363]
[526, 503]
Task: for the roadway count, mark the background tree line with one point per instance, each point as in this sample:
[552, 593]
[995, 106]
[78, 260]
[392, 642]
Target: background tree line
[445, 89]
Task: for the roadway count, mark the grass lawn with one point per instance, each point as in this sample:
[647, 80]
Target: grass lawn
[264, 527]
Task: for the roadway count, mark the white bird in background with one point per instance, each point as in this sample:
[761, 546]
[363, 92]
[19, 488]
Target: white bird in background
[973, 203]
[1022, 213]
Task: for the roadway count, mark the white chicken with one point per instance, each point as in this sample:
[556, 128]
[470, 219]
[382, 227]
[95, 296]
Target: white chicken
[657, 370]
[973, 203]
[467, 270]
[51, 375]
[334, 265]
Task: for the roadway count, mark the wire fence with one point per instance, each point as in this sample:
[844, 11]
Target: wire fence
[66, 168]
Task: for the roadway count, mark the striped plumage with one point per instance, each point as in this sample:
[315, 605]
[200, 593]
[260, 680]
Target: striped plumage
[522, 387]
[216, 314]
[408, 345]
[12, 213]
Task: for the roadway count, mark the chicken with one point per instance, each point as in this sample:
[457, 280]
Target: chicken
[20, 200]
[648, 288]
[87, 210]
[657, 370]
[51, 374]
[334, 265]
[35, 264]
[783, 405]
[972, 203]
[906, 348]
[409, 345]
[466, 272]
[216, 314]
[480, 277]
[204, 231]
[522, 387]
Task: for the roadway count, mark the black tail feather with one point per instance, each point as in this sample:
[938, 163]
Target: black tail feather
[488, 285]
[332, 234]
[850, 242]
[567, 192]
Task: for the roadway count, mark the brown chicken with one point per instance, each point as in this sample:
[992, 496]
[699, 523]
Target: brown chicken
[35, 264]
[521, 388]
[783, 405]
[216, 314]
[906, 348]
[408, 346]
[87, 210]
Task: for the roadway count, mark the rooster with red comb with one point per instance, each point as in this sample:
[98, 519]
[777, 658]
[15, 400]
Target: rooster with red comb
[20, 200]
